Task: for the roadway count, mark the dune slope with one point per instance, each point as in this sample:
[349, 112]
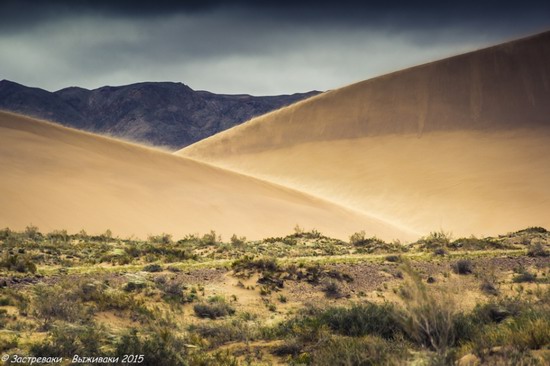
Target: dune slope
[461, 144]
[58, 178]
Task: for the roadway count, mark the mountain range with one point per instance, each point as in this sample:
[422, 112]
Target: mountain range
[157, 113]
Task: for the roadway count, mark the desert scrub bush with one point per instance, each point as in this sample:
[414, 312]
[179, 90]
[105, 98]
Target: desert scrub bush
[237, 242]
[431, 321]
[463, 267]
[33, 233]
[18, 263]
[529, 330]
[363, 319]
[8, 342]
[440, 252]
[359, 239]
[160, 239]
[332, 289]
[533, 229]
[70, 339]
[154, 267]
[489, 287]
[159, 346]
[234, 330]
[537, 250]
[473, 243]
[365, 351]
[58, 236]
[436, 239]
[497, 310]
[210, 239]
[524, 276]
[174, 290]
[215, 307]
[248, 263]
[59, 303]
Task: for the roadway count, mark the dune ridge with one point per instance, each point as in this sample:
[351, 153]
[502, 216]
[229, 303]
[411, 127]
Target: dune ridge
[59, 178]
[460, 144]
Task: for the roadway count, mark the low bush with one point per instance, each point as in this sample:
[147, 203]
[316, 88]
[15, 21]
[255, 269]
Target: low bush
[69, 339]
[528, 331]
[153, 268]
[436, 239]
[393, 258]
[260, 264]
[524, 276]
[18, 263]
[537, 250]
[463, 267]
[160, 346]
[431, 321]
[57, 303]
[214, 308]
[365, 351]
[234, 330]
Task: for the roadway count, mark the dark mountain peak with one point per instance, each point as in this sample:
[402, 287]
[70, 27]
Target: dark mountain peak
[160, 113]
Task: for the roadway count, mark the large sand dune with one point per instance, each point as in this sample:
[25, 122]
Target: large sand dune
[461, 144]
[58, 178]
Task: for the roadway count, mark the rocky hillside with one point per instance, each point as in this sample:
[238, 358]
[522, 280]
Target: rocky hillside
[159, 113]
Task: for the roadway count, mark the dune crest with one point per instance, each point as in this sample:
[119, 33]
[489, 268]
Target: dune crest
[460, 144]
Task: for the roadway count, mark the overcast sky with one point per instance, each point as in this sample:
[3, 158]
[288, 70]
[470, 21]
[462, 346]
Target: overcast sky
[252, 47]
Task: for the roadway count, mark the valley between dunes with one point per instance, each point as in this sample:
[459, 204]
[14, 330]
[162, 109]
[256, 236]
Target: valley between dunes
[59, 178]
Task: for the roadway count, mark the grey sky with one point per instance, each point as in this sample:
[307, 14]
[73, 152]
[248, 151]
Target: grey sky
[242, 47]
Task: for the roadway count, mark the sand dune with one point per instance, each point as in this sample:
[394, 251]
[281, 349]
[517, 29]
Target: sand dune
[461, 144]
[58, 178]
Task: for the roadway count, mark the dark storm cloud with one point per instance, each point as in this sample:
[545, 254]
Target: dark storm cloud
[244, 46]
[17, 13]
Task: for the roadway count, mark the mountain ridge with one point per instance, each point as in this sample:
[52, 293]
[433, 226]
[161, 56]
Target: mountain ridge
[166, 114]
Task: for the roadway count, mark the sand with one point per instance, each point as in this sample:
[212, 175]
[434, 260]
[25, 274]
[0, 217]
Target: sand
[59, 178]
[461, 144]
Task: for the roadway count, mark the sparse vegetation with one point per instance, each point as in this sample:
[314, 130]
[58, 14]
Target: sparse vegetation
[321, 301]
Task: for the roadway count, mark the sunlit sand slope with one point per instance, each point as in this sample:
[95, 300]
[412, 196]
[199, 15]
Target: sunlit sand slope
[461, 144]
[59, 178]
